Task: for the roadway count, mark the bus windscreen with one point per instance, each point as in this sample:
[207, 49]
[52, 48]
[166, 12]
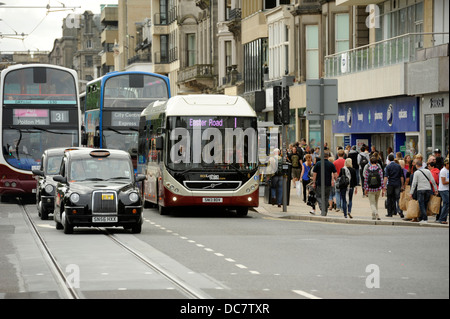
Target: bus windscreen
[212, 143]
[39, 86]
[134, 91]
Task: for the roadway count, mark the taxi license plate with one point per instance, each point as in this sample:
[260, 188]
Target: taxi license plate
[107, 197]
[212, 200]
[104, 219]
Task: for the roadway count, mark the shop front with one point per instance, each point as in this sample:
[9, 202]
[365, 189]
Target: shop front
[383, 123]
[435, 112]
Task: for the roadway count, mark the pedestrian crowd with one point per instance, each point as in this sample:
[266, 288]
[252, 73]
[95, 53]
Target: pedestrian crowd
[415, 189]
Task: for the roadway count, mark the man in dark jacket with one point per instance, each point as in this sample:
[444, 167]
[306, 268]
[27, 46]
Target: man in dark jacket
[330, 178]
[439, 159]
[395, 182]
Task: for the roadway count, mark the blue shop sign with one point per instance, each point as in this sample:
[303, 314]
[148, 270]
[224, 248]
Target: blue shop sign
[390, 115]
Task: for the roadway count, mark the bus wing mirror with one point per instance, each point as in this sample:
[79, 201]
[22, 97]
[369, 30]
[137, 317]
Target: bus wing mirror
[159, 143]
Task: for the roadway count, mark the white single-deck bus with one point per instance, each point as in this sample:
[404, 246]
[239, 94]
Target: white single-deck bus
[40, 109]
[199, 150]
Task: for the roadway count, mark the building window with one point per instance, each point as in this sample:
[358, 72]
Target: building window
[164, 42]
[440, 21]
[278, 50]
[312, 52]
[191, 49]
[163, 11]
[228, 54]
[400, 18]
[88, 61]
[270, 4]
[255, 57]
[342, 33]
[227, 9]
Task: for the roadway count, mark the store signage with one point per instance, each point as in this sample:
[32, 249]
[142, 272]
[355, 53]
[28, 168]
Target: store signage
[437, 103]
[378, 116]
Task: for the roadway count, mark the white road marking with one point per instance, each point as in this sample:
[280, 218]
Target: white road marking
[305, 294]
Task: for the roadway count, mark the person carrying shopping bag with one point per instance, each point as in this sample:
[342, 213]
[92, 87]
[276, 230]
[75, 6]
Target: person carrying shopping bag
[425, 185]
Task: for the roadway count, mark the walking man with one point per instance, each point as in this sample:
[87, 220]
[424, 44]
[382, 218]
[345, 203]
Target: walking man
[394, 180]
[330, 177]
[297, 162]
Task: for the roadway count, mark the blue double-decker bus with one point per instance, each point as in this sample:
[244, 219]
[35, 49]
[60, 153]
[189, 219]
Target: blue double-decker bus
[112, 107]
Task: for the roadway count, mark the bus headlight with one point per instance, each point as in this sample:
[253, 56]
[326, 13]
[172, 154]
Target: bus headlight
[74, 198]
[133, 197]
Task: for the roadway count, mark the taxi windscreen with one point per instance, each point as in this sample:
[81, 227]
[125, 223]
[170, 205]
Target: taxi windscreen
[100, 169]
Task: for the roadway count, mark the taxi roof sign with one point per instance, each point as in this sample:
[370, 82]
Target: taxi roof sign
[70, 149]
[99, 153]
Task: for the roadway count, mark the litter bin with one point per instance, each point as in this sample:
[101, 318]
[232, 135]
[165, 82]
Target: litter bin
[288, 168]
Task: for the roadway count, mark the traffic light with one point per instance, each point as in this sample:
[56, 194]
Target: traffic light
[277, 109]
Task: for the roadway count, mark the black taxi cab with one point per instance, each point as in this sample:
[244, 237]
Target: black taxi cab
[46, 186]
[98, 188]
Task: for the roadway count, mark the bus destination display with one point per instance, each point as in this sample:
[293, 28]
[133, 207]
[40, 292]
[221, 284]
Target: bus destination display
[39, 117]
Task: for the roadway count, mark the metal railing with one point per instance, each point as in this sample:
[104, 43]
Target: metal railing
[195, 72]
[141, 58]
[392, 51]
[166, 57]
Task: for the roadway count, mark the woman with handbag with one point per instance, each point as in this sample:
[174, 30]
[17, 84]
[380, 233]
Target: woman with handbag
[424, 184]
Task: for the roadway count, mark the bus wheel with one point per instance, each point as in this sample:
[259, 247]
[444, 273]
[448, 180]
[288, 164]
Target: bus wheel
[163, 210]
[242, 211]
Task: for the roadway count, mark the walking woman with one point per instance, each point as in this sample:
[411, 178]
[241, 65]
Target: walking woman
[347, 193]
[306, 179]
[374, 185]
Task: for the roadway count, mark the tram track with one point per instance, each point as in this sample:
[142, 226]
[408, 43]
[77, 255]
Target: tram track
[70, 292]
[66, 288]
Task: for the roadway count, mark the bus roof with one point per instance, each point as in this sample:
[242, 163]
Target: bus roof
[118, 73]
[38, 65]
[202, 105]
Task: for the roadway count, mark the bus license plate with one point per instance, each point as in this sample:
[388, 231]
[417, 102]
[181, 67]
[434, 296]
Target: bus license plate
[212, 200]
[104, 219]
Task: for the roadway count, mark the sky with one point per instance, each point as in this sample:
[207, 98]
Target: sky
[40, 26]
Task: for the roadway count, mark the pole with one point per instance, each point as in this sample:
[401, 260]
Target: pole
[285, 177]
[322, 150]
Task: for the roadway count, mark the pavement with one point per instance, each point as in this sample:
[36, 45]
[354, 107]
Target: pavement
[361, 212]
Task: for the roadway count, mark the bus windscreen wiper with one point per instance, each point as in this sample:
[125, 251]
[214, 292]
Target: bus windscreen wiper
[53, 132]
[119, 132]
